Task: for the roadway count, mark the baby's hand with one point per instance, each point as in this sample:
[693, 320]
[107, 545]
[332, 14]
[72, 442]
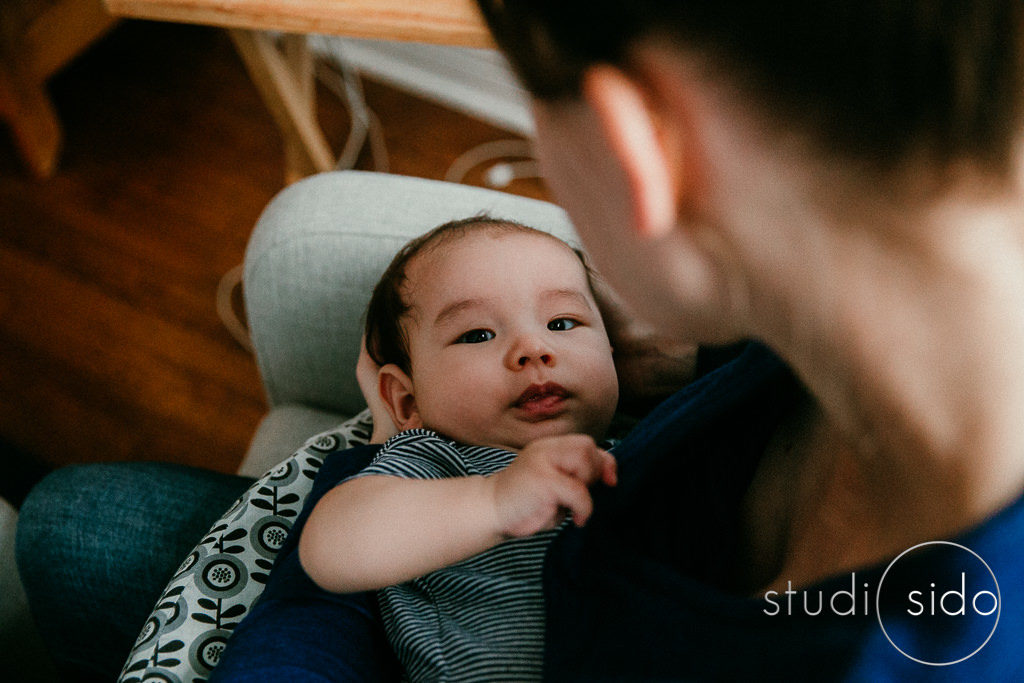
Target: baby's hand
[548, 480]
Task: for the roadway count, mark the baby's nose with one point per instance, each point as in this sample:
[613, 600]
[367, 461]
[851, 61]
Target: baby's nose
[529, 349]
[544, 358]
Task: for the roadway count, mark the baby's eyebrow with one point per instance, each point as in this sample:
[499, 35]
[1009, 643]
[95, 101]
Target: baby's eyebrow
[459, 306]
[568, 293]
[456, 307]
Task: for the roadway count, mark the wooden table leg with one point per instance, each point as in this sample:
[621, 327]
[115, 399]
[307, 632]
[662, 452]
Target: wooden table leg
[285, 81]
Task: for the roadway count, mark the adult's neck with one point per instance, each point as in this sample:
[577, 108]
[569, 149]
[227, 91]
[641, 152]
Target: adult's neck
[907, 325]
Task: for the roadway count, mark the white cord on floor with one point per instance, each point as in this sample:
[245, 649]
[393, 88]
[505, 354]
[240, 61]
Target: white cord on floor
[344, 82]
[489, 151]
[226, 309]
[502, 174]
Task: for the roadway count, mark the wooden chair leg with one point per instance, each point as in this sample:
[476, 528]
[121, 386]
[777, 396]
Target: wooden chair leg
[299, 59]
[26, 107]
[285, 82]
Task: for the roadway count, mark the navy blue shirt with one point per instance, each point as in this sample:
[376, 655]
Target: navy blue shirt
[644, 591]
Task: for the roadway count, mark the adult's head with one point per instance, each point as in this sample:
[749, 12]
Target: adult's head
[488, 332]
[719, 131]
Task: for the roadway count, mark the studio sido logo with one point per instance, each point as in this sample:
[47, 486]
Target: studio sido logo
[938, 603]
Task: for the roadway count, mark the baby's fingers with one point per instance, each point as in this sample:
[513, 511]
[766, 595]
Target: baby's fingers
[579, 457]
[609, 469]
[575, 498]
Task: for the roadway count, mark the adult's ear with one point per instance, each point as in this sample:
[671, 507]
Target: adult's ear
[396, 389]
[648, 135]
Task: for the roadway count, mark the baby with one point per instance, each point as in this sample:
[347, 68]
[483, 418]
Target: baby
[497, 373]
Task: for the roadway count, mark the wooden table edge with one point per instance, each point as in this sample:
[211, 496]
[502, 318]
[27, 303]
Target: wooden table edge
[445, 22]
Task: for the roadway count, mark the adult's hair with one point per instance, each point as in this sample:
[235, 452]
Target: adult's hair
[386, 337]
[881, 81]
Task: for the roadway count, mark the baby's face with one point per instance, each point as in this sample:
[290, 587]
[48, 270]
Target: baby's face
[506, 342]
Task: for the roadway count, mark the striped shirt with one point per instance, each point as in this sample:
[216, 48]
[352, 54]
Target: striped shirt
[481, 619]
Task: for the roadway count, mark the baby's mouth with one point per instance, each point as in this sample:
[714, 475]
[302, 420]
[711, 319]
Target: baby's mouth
[542, 401]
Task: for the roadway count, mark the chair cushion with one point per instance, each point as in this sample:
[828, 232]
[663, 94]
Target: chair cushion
[224, 575]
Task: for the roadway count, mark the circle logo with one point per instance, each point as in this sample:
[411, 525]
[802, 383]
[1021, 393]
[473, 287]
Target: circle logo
[938, 603]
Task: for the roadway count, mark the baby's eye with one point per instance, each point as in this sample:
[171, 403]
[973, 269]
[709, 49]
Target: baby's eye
[562, 324]
[475, 337]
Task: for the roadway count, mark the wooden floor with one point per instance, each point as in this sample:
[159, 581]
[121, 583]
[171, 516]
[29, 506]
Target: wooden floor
[110, 345]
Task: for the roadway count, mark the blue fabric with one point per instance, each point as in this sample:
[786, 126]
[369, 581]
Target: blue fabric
[299, 632]
[648, 583]
[96, 544]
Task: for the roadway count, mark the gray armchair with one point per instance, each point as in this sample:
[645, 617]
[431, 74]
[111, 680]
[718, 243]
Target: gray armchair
[310, 266]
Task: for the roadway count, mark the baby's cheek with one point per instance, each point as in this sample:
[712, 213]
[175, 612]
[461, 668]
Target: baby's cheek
[457, 417]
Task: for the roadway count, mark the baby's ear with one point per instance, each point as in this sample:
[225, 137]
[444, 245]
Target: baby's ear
[396, 389]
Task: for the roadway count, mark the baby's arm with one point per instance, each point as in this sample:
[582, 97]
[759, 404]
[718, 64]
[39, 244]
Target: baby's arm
[379, 530]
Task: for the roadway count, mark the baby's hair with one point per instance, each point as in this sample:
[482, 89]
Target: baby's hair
[386, 338]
